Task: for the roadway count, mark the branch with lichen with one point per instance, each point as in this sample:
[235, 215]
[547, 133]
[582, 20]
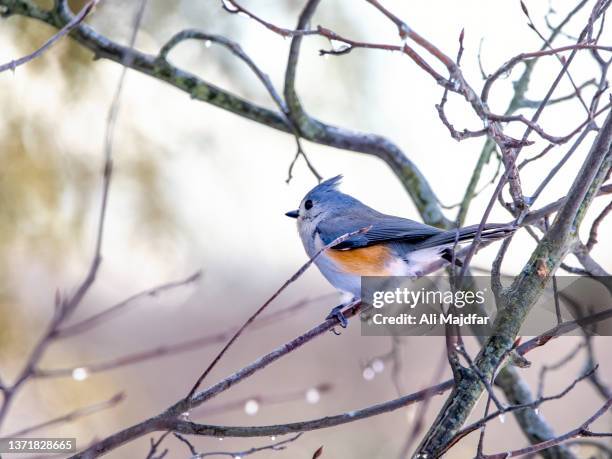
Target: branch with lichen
[518, 299]
[310, 128]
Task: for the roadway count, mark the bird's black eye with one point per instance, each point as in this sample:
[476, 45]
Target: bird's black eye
[308, 204]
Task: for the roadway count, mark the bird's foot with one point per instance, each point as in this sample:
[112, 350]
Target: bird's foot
[415, 275]
[337, 314]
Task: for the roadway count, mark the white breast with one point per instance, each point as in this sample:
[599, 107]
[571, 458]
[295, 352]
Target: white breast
[341, 280]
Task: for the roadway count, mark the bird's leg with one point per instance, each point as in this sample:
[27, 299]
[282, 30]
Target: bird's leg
[337, 314]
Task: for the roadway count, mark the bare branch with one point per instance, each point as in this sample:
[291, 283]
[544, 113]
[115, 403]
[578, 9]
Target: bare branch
[187, 427]
[75, 21]
[528, 103]
[236, 49]
[96, 319]
[278, 446]
[600, 218]
[505, 68]
[581, 431]
[231, 6]
[520, 89]
[534, 404]
[155, 444]
[72, 416]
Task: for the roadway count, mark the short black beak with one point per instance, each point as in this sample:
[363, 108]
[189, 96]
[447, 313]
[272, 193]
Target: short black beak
[293, 214]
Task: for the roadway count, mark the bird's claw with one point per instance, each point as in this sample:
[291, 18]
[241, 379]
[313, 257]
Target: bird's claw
[337, 314]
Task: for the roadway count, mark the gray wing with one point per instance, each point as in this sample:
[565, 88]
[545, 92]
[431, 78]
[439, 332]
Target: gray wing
[384, 228]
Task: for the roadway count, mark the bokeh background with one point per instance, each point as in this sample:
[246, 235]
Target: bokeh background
[196, 187]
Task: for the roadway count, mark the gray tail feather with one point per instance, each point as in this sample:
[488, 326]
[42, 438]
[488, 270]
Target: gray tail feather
[490, 232]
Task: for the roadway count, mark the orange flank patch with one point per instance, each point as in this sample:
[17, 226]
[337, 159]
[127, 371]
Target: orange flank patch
[366, 261]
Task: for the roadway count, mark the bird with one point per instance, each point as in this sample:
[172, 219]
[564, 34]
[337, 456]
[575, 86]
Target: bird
[378, 245]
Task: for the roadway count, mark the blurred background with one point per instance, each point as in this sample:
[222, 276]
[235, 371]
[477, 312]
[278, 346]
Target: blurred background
[196, 187]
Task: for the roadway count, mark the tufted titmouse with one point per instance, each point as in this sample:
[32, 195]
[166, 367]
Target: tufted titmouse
[392, 246]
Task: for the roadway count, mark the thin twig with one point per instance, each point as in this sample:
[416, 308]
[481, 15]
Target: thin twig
[65, 307]
[278, 446]
[288, 282]
[174, 348]
[76, 20]
[534, 404]
[580, 431]
[72, 416]
[595, 227]
[104, 315]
